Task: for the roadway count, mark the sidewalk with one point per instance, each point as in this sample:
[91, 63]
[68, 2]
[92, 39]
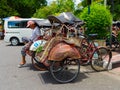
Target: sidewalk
[115, 62]
[115, 58]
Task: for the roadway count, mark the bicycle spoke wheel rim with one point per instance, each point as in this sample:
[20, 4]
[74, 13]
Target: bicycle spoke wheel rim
[101, 59]
[68, 72]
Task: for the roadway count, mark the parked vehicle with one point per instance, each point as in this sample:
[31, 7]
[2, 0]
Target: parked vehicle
[112, 40]
[114, 43]
[1, 30]
[63, 53]
[15, 29]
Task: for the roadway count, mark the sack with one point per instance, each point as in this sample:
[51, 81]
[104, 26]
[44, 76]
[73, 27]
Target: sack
[74, 40]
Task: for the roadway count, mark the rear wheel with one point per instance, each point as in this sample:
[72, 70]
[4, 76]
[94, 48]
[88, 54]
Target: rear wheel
[101, 59]
[14, 41]
[65, 71]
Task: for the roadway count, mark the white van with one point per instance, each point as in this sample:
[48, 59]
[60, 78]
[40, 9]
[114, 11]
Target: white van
[16, 29]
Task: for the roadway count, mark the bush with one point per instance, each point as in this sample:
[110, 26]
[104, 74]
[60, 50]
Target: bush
[98, 20]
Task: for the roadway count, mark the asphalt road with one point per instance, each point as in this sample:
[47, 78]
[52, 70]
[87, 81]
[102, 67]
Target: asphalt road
[28, 78]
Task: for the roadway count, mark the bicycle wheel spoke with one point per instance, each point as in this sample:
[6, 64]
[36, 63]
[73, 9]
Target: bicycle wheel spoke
[67, 72]
[101, 59]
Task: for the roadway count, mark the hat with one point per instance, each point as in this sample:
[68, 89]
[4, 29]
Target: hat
[30, 23]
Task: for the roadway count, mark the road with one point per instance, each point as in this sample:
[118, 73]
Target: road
[28, 78]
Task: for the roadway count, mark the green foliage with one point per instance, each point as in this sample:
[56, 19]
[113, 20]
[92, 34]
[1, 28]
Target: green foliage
[45, 11]
[39, 49]
[114, 8]
[98, 20]
[6, 10]
[65, 5]
[87, 2]
[26, 8]
[55, 8]
[116, 12]
[23, 8]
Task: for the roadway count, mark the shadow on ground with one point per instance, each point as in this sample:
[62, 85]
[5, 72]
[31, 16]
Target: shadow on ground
[47, 78]
[21, 44]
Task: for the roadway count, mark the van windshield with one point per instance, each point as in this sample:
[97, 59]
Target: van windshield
[17, 24]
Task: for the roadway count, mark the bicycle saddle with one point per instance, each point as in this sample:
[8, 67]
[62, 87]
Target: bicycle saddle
[93, 36]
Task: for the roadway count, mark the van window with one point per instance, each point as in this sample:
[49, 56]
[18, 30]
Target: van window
[17, 24]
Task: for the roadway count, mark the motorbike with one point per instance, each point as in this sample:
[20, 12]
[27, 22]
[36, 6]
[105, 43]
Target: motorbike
[112, 42]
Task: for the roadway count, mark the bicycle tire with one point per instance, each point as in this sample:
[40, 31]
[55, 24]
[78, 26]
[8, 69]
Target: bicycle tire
[101, 59]
[65, 71]
[36, 63]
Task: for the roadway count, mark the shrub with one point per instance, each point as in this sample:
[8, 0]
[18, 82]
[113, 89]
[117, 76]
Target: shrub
[98, 20]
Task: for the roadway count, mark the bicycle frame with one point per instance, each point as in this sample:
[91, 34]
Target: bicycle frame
[87, 49]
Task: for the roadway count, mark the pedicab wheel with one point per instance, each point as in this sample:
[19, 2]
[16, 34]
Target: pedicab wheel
[101, 59]
[65, 71]
[36, 63]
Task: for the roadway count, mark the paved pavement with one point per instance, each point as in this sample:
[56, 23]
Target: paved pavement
[115, 62]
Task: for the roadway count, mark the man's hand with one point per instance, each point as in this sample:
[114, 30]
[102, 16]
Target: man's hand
[28, 45]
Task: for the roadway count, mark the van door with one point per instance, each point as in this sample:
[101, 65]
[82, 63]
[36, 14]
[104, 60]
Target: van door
[25, 32]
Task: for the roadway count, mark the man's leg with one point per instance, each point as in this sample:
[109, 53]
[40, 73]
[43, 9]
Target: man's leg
[23, 53]
[23, 61]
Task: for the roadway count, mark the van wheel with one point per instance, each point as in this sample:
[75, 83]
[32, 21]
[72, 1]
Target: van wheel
[14, 41]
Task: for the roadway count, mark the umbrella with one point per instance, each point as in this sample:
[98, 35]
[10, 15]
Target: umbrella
[12, 18]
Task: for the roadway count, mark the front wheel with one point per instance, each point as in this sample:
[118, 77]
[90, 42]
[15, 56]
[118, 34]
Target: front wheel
[36, 63]
[101, 59]
[65, 71]
[14, 41]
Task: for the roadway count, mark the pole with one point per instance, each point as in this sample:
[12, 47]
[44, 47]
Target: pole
[89, 3]
[105, 3]
[88, 9]
[112, 9]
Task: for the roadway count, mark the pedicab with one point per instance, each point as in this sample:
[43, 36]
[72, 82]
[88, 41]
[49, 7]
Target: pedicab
[59, 54]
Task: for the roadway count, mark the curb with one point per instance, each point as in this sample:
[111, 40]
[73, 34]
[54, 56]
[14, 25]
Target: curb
[115, 60]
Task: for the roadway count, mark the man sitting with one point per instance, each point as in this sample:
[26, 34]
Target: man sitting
[35, 35]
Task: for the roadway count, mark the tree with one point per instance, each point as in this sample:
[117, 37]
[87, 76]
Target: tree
[113, 5]
[55, 8]
[98, 19]
[45, 11]
[114, 8]
[23, 8]
[6, 10]
[26, 8]
[88, 2]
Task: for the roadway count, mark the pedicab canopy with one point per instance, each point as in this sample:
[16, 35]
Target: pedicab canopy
[43, 23]
[65, 17]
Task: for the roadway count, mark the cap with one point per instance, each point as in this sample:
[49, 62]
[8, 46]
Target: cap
[30, 23]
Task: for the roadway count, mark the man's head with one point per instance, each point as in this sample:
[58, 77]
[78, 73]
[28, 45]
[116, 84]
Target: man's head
[31, 24]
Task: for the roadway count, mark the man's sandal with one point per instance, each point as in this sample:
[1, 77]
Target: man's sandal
[20, 65]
